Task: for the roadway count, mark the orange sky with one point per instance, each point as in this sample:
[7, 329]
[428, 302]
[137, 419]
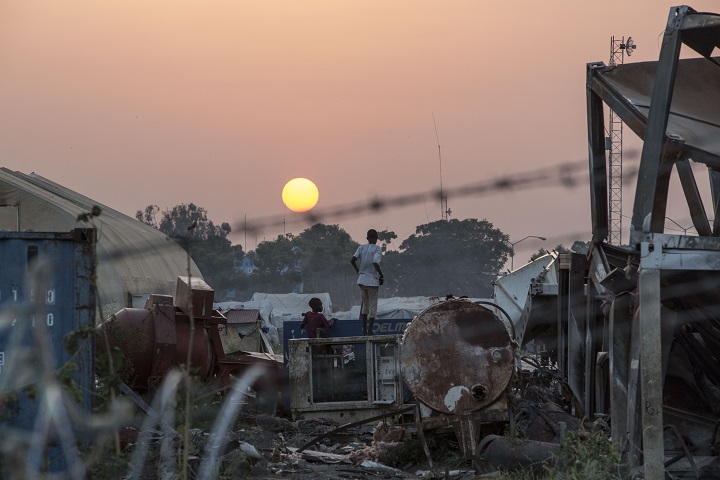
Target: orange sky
[220, 103]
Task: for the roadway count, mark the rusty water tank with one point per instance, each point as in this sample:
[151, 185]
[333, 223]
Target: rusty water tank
[457, 357]
[155, 341]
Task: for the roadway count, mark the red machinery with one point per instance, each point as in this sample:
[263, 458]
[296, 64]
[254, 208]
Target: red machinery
[157, 338]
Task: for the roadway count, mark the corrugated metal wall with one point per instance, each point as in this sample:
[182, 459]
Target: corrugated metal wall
[46, 295]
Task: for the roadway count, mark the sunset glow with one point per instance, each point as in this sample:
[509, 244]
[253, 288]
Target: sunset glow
[300, 194]
[360, 93]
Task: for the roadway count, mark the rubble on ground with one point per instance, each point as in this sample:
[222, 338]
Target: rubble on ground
[271, 447]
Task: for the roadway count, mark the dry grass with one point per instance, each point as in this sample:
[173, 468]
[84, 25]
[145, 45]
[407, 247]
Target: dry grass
[98, 443]
[583, 455]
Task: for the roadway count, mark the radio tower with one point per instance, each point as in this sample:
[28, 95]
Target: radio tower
[444, 210]
[613, 143]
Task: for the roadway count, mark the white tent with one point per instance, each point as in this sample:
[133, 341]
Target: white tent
[394, 307]
[401, 307]
[292, 306]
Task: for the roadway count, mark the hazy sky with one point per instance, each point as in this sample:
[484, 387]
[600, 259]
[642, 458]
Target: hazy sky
[220, 103]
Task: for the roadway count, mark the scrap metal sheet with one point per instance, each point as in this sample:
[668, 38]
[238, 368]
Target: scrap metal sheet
[695, 109]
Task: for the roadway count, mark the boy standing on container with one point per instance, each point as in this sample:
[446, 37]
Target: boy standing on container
[370, 277]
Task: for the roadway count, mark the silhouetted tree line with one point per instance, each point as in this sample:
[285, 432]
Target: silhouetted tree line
[207, 243]
[458, 257]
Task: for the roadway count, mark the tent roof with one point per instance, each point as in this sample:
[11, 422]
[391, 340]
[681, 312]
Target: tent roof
[264, 308]
[243, 316]
[293, 305]
[394, 307]
[133, 258]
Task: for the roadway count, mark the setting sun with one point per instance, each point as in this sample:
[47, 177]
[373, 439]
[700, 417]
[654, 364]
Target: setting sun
[300, 195]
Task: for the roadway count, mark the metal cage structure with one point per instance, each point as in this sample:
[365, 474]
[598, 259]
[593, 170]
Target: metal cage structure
[661, 290]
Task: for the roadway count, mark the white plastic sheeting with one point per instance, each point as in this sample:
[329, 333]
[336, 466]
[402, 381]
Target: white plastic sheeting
[392, 308]
[292, 306]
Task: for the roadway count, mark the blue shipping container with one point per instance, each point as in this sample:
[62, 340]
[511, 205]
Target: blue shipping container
[46, 294]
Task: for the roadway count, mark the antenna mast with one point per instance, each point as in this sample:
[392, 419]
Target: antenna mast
[613, 143]
[444, 210]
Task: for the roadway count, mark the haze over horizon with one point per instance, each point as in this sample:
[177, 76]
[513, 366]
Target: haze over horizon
[221, 103]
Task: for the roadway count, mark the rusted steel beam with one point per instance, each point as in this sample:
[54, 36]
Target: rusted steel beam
[654, 174]
[692, 195]
[598, 163]
[621, 315]
[625, 109]
[651, 373]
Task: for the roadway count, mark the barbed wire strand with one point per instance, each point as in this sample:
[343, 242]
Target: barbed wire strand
[567, 175]
[564, 175]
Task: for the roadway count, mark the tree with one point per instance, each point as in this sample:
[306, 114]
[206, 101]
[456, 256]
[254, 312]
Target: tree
[206, 242]
[318, 259]
[577, 247]
[385, 237]
[459, 257]
[189, 221]
[325, 252]
[277, 265]
[147, 216]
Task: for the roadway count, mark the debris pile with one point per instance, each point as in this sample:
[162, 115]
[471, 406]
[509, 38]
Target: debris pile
[279, 443]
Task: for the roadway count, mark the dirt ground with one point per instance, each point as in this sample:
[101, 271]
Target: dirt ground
[267, 448]
[376, 450]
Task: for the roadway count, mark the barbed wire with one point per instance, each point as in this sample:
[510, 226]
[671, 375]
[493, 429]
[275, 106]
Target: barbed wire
[566, 175]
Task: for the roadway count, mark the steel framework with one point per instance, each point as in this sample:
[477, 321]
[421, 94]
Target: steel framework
[617, 57]
[678, 121]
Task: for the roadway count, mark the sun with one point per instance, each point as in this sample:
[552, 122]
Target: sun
[300, 195]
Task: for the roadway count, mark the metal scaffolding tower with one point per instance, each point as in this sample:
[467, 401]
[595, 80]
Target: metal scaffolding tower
[613, 144]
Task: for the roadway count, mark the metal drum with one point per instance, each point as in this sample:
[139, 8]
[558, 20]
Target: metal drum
[154, 342]
[457, 357]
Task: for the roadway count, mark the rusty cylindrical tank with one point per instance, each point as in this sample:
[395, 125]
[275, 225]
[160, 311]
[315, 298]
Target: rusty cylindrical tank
[457, 357]
[503, 453]
[154, 342]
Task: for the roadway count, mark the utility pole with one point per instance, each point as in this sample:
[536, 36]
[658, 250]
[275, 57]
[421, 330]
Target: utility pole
[444, 210]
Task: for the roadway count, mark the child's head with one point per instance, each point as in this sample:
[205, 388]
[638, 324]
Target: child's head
[315, 304]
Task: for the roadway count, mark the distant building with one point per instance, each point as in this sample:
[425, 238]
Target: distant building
[246, 266]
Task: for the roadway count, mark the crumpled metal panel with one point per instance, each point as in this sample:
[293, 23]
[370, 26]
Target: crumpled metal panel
[457, 357]
[695, 112]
